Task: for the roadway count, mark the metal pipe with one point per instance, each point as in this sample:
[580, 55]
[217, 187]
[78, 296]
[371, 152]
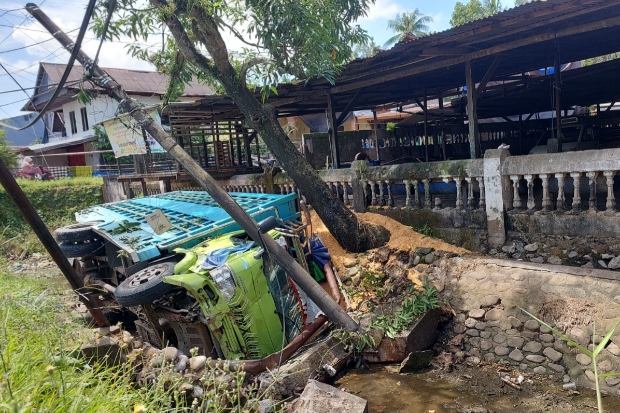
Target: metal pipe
[14, 191]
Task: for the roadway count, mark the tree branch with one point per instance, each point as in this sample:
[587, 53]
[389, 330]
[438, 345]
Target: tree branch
[248, 65]
[186, 46]
[236, 33]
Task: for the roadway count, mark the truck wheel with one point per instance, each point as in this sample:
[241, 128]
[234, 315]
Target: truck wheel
[145, 286]
[82, 231]
[82, 249]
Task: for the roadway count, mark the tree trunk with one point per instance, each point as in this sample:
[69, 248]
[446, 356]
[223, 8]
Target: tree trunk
[351, 233]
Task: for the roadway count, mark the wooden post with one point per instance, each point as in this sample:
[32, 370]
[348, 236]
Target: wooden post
[558, 89]
[472, 115]
[333, 132]
[374, 128]
[442, 125]
[425, 124]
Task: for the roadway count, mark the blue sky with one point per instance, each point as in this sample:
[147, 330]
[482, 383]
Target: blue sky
[23, 64]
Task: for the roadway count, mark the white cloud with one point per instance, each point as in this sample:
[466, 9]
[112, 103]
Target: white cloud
[383, 9]
[439, 23]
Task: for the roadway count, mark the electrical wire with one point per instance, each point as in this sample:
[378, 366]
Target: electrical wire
[74, 52]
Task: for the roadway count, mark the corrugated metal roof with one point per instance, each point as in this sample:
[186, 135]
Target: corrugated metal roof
[134, 81]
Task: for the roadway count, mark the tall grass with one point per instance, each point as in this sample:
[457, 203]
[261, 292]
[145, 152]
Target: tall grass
[39, 371]
[78, 181]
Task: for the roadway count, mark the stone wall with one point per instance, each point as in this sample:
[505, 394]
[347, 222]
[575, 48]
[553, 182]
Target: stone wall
[488, 296]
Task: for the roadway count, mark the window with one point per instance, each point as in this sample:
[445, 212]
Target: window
[72, 122]
[84, 119]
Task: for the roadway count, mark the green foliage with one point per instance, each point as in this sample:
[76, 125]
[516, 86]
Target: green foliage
[409, 23]
[56, 202]
[6, 154]
[474, 10]
[41, 370]
[600, 59]
[125, 227]
[426, 230]
[390, 127]
[354, 341]
[592, 354]
[363, 50]
[418, 302]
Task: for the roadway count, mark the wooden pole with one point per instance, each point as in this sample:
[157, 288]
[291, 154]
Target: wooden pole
[425, 124]
[333, 132]
[14, 191]
[472, 115]
[291, 267]
[558, 93]
[442, 126]
[375, 134]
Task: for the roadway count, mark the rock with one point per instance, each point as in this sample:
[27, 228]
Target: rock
[566, 378]
[423, 251]
[107, 331]
[356, 280]
[157, 361]
[485, 345]
[544, 329]
[590, 375]
[181, 364]
[170, 353]
[477, 313]
[614, 264]
[494, 314]
[480, 326]
[509, 249]
[607, 256]
[614, 349]
[349, 262]
[602, 264]
[493, 251]
[489, 300]
[537, 260]
[196, 363]
[516, 355]
[351, 272]
[470, 323]
[516, 342]
[516, 255]
[501, 350]
[416, 260]
[319, 397]
[416, 361]
[515, 322]
[127, 337]
[430, 258]
[472, 332]
[583, 359]
[500, 338]
[532, 325]
[459, 329]
[556, 367]
[535, 358]
[553, 355]
[572, 254]
[382, 254]
[612, 381]
[555, 260]
[489, 357]
[547, 338]
[540, 370]
[485, 334]
[531, 247]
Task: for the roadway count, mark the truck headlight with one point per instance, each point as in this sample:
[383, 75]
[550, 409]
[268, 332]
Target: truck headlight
[224, 279]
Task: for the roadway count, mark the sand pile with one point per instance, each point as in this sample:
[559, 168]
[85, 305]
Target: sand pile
[403, 238]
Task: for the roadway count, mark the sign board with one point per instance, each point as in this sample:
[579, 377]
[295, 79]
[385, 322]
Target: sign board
[125, 136]
[159, 222]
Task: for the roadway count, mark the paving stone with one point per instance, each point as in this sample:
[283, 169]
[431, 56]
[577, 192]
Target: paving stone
[500, 338]
[475, 341]
[614, 349]
[533, 347]
[485, 334]
[590, 375]
[516, 323]
[556, 367]
[566, 378]
[489, 300]
[485, 345]
[583, 359]
[535, 358]
[470, 322]
[532, 325]
[477, 313]
[530, 334]
[501, 351]
[523, 367]
[516, 342]
[540, 370]
[553, 355]
[480, 326]
[505, 325]
[489, 357]
[580, 335]
[494, 314]
[516, 355]
[544, 329]
[459, 328]
[547, 338]
[512, 332]
[605, 366]
[472, 332]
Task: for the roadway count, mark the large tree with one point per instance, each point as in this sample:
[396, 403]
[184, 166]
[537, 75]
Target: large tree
[409, 23]
[474, 10]
[286, 40]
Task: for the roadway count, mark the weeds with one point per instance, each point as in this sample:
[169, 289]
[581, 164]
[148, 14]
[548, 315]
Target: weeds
[418, 302]
[425, 230]
[592, 354]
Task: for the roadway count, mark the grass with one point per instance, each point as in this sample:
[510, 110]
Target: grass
[40, 371]
[56, 183]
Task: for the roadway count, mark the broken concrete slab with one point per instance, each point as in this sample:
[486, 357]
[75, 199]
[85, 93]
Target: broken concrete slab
[104, 348]
[420, 336]
[319, 397]
[416, 361]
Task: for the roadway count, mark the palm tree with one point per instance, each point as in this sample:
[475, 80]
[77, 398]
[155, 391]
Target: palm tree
[409, 23]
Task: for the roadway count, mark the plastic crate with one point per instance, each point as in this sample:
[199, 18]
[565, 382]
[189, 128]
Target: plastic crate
[77, 171]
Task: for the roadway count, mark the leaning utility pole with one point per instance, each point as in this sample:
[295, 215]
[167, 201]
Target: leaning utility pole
[324, 301]
[14, 191]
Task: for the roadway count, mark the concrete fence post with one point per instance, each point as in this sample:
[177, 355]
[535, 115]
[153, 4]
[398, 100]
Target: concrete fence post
[497, 195]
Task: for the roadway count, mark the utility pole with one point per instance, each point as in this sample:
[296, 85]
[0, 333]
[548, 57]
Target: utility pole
[324, 301]
[14, 191]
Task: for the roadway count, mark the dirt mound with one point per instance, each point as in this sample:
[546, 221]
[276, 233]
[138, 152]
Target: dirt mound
[403, 238]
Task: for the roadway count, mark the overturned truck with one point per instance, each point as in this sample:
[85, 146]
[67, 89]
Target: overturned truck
[194, 279]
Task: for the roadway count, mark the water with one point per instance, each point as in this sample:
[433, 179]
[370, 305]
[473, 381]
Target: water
[468, 390]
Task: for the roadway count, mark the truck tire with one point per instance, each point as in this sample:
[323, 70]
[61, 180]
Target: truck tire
[82, 249]
[145, 286]
[82, 231]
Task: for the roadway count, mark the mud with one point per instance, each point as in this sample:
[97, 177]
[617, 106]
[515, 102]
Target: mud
[465, 390]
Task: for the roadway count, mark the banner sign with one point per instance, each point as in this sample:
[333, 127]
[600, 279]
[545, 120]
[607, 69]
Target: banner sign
[126, 138]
